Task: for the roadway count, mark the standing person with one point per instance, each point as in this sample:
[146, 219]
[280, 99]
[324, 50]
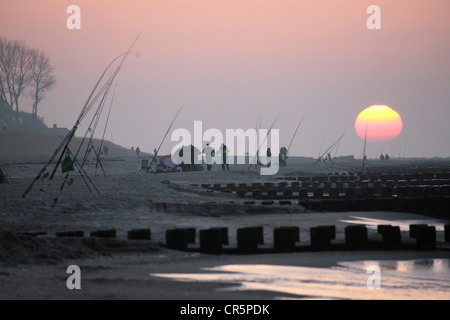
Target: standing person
[269, 155]
[224, 151]
[209, 154]
[283, 156]
[382, 157]
[386, 157]
[195, 153]
[138, 151]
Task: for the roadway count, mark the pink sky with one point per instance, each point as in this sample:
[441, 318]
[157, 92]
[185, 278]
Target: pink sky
[229, 60]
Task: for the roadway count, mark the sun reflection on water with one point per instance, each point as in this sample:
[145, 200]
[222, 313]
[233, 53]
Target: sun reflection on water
[412, 279]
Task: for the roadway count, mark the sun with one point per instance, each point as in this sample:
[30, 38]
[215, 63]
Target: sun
[380, 122]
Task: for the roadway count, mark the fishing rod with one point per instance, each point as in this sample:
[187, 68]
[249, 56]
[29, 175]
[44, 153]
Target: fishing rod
[321, 146]
[257, 129]
[365, 143]
[85, 178]
[295, 133]
[164, 138]
[104, 131]
[87, 106]
[330, 148]
[270, 129]
[91, 128]
[335, 153]
[268, 132]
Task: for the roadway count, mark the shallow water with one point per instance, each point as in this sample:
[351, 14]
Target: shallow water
[411, 279]
[403, 224]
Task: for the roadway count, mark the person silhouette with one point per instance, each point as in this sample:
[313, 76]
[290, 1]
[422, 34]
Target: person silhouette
[224, 151]
[283, 156]
[209, 155]
[269, 155]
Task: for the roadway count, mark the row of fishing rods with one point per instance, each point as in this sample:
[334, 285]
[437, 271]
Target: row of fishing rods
[63, 148]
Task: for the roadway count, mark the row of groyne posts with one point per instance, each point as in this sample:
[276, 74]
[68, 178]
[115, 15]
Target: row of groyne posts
[250, 240]
[425, 193]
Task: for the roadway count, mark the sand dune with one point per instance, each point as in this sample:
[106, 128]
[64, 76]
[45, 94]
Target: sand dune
[40, 146]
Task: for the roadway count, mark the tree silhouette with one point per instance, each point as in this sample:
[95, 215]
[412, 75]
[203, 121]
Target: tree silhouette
[42, 77]
[22, 67]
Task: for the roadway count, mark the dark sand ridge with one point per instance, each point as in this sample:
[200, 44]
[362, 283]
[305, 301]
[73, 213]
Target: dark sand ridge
[40, 146]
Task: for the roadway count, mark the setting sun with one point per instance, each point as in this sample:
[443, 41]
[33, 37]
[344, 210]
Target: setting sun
[381, 122]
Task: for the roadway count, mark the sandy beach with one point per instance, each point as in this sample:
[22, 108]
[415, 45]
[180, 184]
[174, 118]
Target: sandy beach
[34, 260]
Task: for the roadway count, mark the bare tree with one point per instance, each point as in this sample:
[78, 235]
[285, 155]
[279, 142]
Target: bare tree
[15, 69]
[41, 76]
[5, 96]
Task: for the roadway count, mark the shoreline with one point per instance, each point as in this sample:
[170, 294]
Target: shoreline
[128, 276]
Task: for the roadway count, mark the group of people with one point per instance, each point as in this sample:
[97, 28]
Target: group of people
[138, 151]
[282, 156]
[384, 157]
[193, 163]
[209, 156]
[210, 153]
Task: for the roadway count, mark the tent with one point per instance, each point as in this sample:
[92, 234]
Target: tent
[161, 164]
[165, 164]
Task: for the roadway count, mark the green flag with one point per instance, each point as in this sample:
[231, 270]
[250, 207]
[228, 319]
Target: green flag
[67, 165]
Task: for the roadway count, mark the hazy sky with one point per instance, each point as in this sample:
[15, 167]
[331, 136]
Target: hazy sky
[230, 60]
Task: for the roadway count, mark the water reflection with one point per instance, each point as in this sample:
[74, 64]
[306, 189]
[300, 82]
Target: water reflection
[403, 224]
[415, 279]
